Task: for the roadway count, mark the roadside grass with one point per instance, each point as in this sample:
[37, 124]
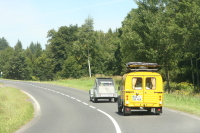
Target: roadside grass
[85, 83]
[15, 109]
[186, 103]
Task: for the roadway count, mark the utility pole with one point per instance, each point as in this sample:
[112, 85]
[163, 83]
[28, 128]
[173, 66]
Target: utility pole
[89, 63]
[197, 72]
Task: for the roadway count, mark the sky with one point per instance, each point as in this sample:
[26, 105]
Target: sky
[30, 20]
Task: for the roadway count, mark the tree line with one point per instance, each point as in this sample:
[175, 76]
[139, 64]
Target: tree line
[163, 31]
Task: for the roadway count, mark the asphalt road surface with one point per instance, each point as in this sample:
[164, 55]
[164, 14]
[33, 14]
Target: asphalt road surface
[67, 110]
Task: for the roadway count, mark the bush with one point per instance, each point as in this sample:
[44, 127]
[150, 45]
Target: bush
[181, 88]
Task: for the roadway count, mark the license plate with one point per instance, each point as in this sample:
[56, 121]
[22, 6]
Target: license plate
[106, 95]
[137, 98]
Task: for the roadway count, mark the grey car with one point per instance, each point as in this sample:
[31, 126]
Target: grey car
[104, 88]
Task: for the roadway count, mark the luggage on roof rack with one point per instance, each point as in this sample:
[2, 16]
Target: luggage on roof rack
[141, 66]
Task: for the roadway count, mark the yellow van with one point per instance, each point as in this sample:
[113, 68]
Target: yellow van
[141, 88]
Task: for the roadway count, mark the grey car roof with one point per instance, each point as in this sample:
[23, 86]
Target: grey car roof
[104, 79]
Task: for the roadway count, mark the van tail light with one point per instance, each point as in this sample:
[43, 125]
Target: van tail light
[160, 98]
[126, 97]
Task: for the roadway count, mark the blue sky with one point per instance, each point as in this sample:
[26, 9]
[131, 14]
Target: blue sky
[30, 20]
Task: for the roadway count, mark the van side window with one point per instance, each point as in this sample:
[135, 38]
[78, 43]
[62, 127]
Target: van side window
[137, 83]
[150, 83]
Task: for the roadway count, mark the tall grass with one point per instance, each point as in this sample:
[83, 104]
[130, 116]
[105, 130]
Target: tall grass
[15, 109]
[85, 83]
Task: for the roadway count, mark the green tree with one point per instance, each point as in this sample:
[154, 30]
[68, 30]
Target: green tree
[36, 49]
[43, 68]
[60, 44]
[71, 68]
[18, 46]
[3, 43]
[5, 56]
[18, 67]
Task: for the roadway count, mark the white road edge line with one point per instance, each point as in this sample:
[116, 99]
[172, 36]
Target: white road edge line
[186, 114]
[37, 114]
[118, 130]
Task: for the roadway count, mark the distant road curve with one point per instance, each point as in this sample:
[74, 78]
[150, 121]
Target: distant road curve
[45, 92]
[64, 109]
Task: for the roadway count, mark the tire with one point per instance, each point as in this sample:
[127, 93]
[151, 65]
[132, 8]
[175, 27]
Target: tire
[110, 99]
[125, 112]
[95, 100]
[119, 104]
[90, 98]
[115, 99]
[120, 109]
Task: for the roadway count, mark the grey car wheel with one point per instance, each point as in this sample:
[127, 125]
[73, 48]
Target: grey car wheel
[95, 100]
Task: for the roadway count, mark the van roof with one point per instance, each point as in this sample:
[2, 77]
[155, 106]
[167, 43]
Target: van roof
[103, 78]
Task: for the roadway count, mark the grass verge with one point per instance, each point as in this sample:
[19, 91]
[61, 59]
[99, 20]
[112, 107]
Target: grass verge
[185, 103]
[15, 109]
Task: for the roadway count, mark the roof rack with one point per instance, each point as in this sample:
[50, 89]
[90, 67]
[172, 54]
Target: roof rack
[141, 66]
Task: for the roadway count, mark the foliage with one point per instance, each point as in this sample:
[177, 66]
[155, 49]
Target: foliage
[165, 32]
[181, 88]
[43, 68]
[3, 43]
[161, 31]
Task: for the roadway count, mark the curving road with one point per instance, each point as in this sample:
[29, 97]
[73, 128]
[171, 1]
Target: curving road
[68, 110]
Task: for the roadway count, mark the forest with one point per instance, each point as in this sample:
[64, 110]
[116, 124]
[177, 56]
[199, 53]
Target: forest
[166, 32]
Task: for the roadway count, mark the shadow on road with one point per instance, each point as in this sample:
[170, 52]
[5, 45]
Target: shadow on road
[139, 113]
[103, 101]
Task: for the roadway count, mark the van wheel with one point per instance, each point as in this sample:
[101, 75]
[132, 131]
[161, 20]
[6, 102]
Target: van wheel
[125, 112]
[120, 109]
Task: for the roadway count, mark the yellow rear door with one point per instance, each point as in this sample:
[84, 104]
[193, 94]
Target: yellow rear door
[152, 91]
[137, 93]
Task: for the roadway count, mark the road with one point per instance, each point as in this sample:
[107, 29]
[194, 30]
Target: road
[68, 110]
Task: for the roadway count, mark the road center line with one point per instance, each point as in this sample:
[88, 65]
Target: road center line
[78, 100]
[92, 107]
[84, 103]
